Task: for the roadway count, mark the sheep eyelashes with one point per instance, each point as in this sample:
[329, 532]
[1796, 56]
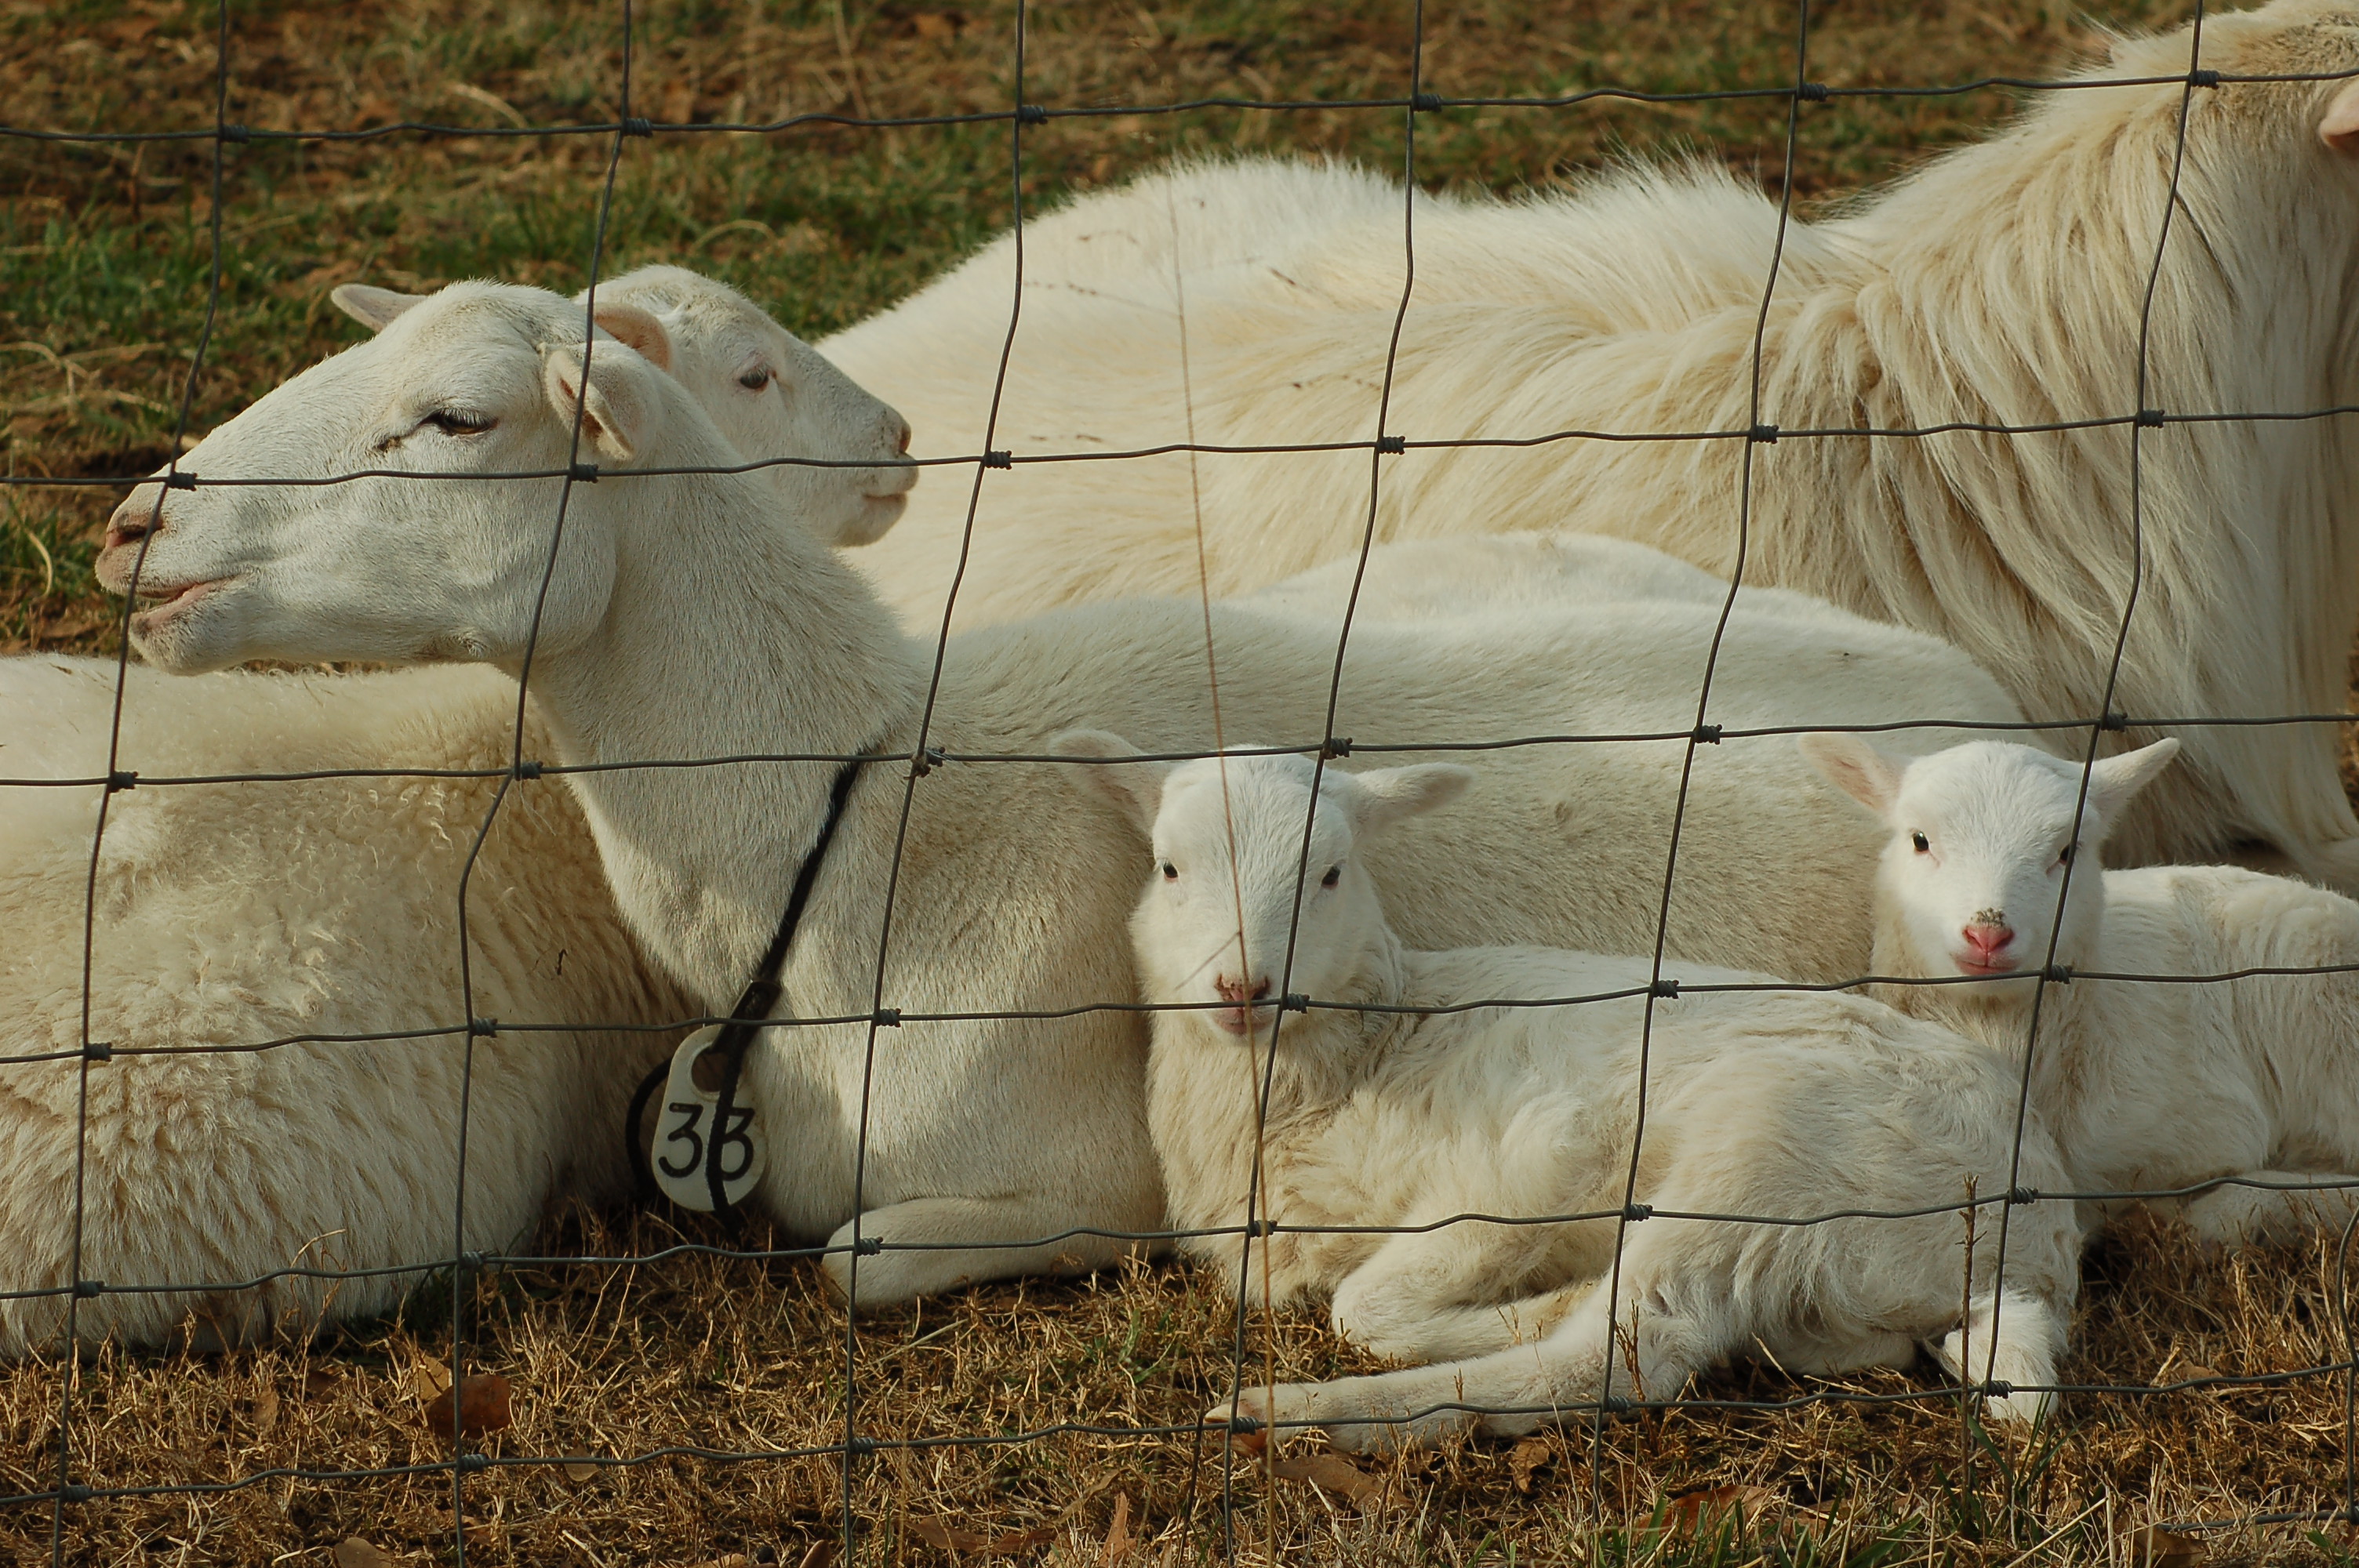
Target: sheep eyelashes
[1772, 1104]
[2146, 1085]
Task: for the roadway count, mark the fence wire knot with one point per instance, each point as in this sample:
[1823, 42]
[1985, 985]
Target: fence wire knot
[1632, 1213]
[632, 126]
[483, 1027]
[1294, 1001]
[2150, 418]
[88, 1289]
[1812, 92]
[886, 1018]
[2057, 974]
[1706, 735]
[2020, 1195]
[583, 473]
[1392, 445]
[1663, 987]
[1767, 435]
[867, 1246]
[235, 133]
[99, 1050]
[528, 770]
[998, 459]
[122, 779]
[1335, 746]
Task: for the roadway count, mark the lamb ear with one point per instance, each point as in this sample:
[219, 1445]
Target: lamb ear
[1136, 788]
[1855, 767]
[619, 411]
[2115, 779]
[2338, 126]
[640, 328]
[373, 308]
[1388, 795]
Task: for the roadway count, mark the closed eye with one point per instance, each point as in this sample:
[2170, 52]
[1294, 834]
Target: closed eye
[450, 422]
[755, 380]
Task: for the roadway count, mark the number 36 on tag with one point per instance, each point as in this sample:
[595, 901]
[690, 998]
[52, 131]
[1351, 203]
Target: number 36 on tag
[685, 1136]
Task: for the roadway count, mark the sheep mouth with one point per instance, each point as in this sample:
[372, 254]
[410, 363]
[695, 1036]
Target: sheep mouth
[1241, 1021]
[1976, 967]
[159, 603]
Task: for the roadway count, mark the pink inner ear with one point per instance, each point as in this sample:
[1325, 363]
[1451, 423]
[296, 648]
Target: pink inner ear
[2339, 127]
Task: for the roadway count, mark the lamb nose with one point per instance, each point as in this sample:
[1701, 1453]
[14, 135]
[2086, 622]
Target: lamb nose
[1236, 990]
[132, 521]
[1987, 939]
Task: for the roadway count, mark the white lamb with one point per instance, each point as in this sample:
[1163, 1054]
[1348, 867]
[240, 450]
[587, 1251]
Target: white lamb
[2148, 1084]
[2002, 283]
[234, 915]
[1783, 1104]
[688, 618]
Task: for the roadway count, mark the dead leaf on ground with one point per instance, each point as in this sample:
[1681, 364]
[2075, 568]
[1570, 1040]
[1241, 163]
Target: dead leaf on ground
[1526, 1457]
[1691, 1511]
[428, 1379]
[354, 1552]
[2191, 1372]
[1117, 1536]
[2155, 1547]
[822, 1554]
[1333, 1473]
[266, 1412]
[319, 1381]
[482, 1406]
[581, 1470]
[950, 1538]
[933, 24]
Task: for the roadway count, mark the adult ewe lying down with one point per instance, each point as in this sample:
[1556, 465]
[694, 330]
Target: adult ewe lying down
[2148, 1085]
[2001, 282]
[229, 915]
[1782, 1105]
[688, 617]
[234, 915]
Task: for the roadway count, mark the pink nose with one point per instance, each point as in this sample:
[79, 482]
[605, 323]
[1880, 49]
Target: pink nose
[1987, 940]
[1238, 991]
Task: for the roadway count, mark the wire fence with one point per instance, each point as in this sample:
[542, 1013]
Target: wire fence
[858, 1443]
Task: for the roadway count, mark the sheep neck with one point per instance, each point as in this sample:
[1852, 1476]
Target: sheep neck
[728, 630]
[1998, 1016]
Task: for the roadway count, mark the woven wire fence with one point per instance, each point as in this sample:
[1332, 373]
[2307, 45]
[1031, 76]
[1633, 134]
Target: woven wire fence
[858, 1444]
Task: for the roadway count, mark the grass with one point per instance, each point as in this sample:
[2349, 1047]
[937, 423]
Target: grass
[104, 260]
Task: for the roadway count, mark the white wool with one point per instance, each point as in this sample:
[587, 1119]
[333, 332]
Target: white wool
[1782, 1105]
[231, 914]
[1998, 283]
[689, 617]
[2148, 1086]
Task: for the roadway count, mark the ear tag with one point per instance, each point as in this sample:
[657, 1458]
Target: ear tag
[686, 1138]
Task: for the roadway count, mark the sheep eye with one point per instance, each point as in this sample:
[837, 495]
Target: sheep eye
[755, 380]
[1170, 872]
[1334, 875]
[2064, 856]
[455, 423]
[1924, 845]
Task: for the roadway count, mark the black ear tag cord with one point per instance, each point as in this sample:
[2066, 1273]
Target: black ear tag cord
[754, 1007]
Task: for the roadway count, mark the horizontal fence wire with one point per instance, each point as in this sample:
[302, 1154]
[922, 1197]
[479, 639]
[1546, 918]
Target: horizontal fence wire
[1660, 983]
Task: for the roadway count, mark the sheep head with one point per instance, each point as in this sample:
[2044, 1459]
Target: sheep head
[1228, 872]
[1984, 838]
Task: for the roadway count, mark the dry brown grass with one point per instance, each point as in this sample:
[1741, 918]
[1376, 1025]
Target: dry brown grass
[101, 265]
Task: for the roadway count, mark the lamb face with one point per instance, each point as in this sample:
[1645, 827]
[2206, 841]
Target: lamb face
[1984, 838]
[771, 394]
[1231, 893]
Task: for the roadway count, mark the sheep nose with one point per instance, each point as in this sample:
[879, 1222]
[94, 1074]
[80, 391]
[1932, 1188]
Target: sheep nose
[1987, 939]
[1238, 991]
[138, 516]
[900, 428]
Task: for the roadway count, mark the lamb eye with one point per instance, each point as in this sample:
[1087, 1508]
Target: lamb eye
[1334, 875]
[451, 423]
[1924, 845]
[2064, 856]
[755, 380]
[1170, 872]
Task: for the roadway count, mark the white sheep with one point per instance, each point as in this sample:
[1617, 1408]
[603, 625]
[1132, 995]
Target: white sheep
[1999, 283]
[228, 915]
[1782, 1105]
[2148, 1084]
[687, 618]
[234, 915]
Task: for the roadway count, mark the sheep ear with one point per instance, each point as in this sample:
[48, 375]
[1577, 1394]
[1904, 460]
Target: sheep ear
[641, 329]
[372, 308]
[619, 408]
[2115, 779]
[1136, 788]
[1387, 796]
[2338, 126]
[1855, 767]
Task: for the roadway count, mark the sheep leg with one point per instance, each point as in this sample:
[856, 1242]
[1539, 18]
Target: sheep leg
[2242, 1215]
[1409, 1300]
[2012, 1340]
[950, 1238]
[1513, 1390]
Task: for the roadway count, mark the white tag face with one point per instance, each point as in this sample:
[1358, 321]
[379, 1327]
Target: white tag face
[686, 1138]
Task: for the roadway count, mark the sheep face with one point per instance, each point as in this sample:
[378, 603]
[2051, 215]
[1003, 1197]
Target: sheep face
[771, 394]
[479, 379]
[1984, 838]
[1233, 905]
